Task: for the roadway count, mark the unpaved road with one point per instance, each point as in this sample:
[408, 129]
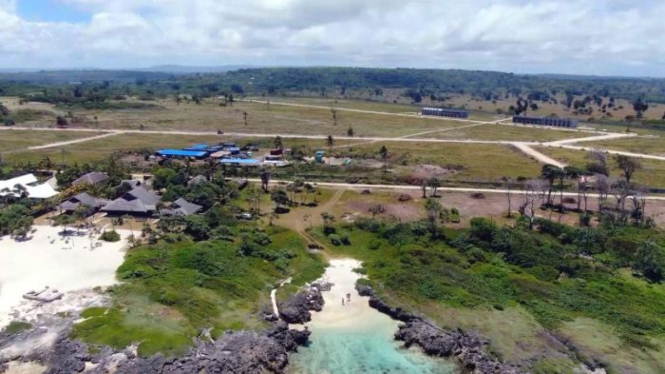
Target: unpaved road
[359, 186]
[537, 155]
[68, 142]
[523, 146]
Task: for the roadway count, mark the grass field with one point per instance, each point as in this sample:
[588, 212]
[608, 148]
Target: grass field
[11, 140]
[506, 132]
[474, 161]
[261, 118]
[652, 146]
[652, 173]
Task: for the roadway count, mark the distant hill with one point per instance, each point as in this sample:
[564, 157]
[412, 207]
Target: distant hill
[81, 76]
[183, 69]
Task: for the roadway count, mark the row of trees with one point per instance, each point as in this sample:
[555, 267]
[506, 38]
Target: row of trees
[594, 178]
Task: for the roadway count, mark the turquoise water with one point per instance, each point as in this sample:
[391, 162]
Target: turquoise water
[335, 352]
[354, 338]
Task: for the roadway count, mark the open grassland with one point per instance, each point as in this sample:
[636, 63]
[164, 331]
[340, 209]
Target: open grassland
[652, 146]
[11, 140]
[462, 161]
[279, 119]
[506, 132]
[651, 175]
[100, 149]
[475, 161]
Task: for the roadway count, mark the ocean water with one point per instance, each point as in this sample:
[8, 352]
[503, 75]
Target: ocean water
[354, 338]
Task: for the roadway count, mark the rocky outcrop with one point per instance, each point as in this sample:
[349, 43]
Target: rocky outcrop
[237, 352]
[467, 348]
[297, 309]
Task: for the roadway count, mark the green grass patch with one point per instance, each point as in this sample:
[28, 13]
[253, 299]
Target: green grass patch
[16, 327]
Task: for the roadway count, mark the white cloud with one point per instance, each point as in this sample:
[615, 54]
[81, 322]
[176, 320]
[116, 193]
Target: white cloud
[572, 36]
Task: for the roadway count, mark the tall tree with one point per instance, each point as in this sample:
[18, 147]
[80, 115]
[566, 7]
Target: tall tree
[434, 210]
[434, 183]
[383, 152]
[628, 166]
[550, 173]
[350, 134]
[278, 143]
[330, 142]
[333, 111]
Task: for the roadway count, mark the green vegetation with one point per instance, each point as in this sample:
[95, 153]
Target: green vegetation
[110, 236]
[15, 219]
[15, 327]
[555, 272]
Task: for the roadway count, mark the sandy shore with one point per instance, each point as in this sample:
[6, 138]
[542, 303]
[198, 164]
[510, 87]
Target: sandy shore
[357, 313]
[49, 259]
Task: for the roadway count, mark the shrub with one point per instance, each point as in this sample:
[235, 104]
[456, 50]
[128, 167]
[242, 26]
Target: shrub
[110, 236]
[335, 240]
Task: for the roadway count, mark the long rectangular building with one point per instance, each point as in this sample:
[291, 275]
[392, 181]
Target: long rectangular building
[546, 121]
[445, 112]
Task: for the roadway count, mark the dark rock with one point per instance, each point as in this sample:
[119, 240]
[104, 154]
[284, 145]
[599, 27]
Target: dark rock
[466, 347]
[297, 308]
[404, 197]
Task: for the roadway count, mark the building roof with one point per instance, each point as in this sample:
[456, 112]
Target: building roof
[138, 200]
[31, 185]
[181, 207]
[94, 177]
[132, 182]
[240, 161]
[181, 153]
[82, 199]
[196, 180]
[197, 147]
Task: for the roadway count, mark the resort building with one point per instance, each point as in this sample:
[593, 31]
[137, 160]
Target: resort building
[28, 186]
[82, 199]
[91, 179]
[181, 207]
[138, 201]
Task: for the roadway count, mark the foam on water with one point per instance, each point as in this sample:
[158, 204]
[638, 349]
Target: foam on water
[355, 338]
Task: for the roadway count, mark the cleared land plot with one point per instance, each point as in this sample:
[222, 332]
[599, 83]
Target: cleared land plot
[652, 146]
[471, 161]
[506, 132]
[96, 150]
[468, 161]
[652, 173]
[11, 140]
[210, 116]
[380, 104]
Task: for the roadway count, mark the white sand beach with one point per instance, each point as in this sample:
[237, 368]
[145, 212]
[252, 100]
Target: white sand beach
[49, 259]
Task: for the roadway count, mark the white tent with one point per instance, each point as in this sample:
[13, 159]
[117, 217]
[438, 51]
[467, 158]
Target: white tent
[31, 185]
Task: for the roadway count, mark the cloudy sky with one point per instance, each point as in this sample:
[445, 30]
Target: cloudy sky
[602, 37]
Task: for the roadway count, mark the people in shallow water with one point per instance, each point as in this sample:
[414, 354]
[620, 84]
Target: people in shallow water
[348, 298]
[342, 300]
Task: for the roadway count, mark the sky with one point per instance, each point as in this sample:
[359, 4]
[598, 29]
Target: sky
[589, 37]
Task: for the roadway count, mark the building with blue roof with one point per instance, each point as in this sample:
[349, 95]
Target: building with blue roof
[240, 161]
[181, 153]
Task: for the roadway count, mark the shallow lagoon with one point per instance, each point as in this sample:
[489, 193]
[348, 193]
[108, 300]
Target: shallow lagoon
[354, 338]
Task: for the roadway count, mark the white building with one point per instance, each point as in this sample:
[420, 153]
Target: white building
[32, 187]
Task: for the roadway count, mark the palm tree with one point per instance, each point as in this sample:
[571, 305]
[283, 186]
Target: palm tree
[330, 141]
[384, 156]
